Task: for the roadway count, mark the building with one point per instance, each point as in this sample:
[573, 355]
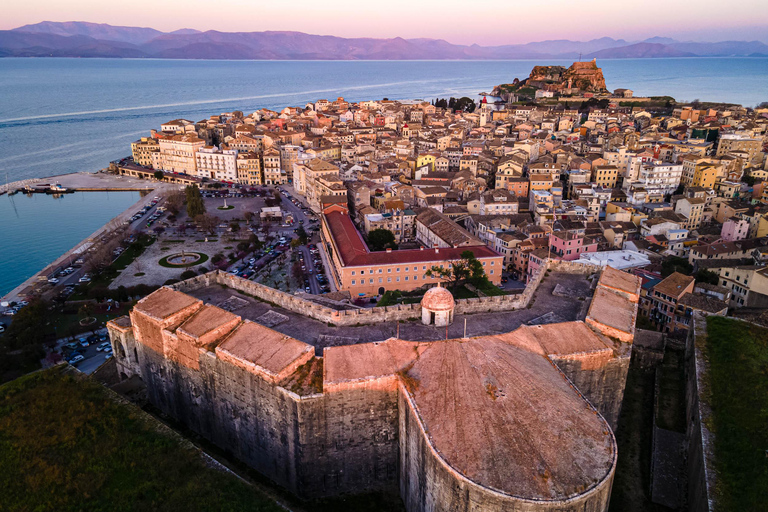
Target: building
[143, 149]
[216, 164]
[434, 229]
[273, 172]
[605, 176]
[400, 223]
[493, 202]
[205, 367]
[662, 302]
[730, 143]
[748, 285]
[249, 169]
[177, 154]
[361, 272]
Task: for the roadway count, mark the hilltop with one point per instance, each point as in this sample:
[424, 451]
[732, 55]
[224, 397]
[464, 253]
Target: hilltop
[83, 39]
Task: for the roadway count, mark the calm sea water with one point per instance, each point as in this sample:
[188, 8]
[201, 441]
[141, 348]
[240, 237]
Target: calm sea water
[67, 115]
[36, 229]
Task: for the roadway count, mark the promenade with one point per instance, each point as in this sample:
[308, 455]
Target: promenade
[89, 182]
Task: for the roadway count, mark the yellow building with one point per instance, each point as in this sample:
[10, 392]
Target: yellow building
[143, 149]
[249, 169]
[273, 174]
[606, 176]
[426, 159]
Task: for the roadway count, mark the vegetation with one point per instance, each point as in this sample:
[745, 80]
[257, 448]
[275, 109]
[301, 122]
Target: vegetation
[164, 261]
[738, 394]
[707, 276]
[464, 104]
[195, 204]
[466, 269]
[675, 264]
[381, 239]
[158, 175]
[68, 445]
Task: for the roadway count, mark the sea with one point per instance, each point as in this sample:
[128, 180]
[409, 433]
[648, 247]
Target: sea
[59, 116]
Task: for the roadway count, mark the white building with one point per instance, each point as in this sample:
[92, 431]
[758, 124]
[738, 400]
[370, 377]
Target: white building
[217, 164]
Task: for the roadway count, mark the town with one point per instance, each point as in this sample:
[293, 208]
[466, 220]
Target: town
[338, 275]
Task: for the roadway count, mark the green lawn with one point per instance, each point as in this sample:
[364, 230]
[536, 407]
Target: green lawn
[738, 394]
[65, 444]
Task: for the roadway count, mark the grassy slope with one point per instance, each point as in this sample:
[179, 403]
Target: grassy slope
[65, 445]
[738, 393]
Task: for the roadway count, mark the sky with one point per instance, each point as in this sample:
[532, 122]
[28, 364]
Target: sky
[457, 21]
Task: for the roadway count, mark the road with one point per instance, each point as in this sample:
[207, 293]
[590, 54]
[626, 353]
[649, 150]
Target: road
[314, 286]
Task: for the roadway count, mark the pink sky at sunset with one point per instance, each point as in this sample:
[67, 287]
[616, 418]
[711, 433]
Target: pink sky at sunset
[456, 21]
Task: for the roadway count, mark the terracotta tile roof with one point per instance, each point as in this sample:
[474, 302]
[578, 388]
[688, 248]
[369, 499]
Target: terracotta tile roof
[354, 252]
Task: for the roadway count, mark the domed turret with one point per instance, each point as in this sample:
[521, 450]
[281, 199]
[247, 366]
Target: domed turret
[437, 307]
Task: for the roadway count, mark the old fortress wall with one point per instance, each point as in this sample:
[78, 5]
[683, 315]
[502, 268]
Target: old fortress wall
[229, 380]
[399, 312]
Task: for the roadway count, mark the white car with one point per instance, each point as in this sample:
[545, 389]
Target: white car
[84, 279]
[76, 359]
[53, 280]
[104, 346]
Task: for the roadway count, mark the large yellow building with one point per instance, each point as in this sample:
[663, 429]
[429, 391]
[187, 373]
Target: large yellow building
[606, 176]
[249, 169]
[143, 149]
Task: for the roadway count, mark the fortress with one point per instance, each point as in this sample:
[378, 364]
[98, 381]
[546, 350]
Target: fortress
[520, 420]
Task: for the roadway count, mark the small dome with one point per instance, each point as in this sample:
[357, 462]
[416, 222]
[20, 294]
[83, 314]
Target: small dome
[438, 299]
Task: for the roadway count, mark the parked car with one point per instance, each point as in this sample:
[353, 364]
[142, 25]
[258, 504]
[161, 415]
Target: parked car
[53, 280]
[104, 346]
[76, 359]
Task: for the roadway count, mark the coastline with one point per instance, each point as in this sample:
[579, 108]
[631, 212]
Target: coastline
[88, 182]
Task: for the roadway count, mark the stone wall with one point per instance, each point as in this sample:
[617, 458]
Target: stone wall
[429, 483]
[399, 312]
[699, 439]
[341, 441]
[601, 381]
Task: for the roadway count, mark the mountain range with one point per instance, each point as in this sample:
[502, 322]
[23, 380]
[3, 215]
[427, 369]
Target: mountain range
[83, 39]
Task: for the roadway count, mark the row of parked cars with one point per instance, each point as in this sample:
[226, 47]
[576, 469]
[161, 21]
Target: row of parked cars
[75, 350]
[138, 215]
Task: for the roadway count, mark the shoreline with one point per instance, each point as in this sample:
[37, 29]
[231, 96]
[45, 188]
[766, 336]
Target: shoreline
[135, 185]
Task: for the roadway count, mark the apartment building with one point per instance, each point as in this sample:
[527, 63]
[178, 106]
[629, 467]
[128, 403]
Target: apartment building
[216, 164]
[364, 273]
[143, 149]
[177, 154]
[748, 285]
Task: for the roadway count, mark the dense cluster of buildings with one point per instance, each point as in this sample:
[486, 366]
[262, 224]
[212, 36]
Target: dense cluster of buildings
[516, 184]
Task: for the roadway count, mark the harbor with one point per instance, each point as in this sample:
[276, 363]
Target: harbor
[72, 218]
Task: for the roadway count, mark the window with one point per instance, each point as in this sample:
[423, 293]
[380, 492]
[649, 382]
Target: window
[389, 279]
[353, 281]
[398, 279]
[353, 273]
[389, 271]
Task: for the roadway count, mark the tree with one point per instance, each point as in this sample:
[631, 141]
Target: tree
[85, 311]
[381, 239]
[207, 222]
[247, 215]
[707, 276]
[466, 269]
[676, 264]
[158, 175]
[174, 202]
[302, 234]
[195, 204]
[28, 326]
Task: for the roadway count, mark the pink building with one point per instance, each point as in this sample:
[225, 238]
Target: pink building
[734, 229]
[569, 246]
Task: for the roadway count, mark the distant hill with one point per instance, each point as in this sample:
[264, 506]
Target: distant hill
[640, 51]
[83, 39]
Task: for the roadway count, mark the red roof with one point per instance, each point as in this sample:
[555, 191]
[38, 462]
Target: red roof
[354, 252]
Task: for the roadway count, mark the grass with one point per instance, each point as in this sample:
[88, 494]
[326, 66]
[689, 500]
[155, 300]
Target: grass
[738, 394]
[66, 444]
[164, 261]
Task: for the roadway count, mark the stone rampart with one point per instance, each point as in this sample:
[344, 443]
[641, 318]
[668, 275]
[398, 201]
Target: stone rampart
[699, 439]
[429, 483]
[398, 312]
